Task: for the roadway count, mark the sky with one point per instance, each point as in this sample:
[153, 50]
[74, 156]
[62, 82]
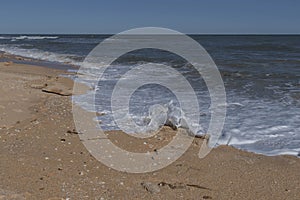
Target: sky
[186, 16]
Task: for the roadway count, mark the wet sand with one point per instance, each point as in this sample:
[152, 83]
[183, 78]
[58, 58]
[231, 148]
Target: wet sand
[42, 156]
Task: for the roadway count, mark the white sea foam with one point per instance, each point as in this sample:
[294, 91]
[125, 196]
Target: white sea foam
[27, 37]
[237, 141]
[39, 55]
[24, 37]
[284, 151]
[5, 38]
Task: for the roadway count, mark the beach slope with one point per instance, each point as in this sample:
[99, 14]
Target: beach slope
[42, 156]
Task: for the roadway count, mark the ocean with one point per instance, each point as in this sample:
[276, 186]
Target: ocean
[261, 74]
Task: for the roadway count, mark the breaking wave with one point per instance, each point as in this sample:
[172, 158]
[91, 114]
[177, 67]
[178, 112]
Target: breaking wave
[26, 37]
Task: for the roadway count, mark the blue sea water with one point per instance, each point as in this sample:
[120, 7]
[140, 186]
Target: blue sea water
[261, 74]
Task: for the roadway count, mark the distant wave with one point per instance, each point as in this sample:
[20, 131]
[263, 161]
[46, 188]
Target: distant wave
[25, 37]
[5, 38]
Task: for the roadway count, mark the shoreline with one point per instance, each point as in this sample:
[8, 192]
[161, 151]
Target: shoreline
[72, 69]
[7, 57]
[68, 68]
[39, 146]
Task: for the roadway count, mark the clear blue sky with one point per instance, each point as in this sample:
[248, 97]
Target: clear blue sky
[113, 16]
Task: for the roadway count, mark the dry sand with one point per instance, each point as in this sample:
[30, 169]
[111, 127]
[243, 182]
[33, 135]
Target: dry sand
[43, 158]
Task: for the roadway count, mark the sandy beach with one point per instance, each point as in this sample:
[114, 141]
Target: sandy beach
[42, 156]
